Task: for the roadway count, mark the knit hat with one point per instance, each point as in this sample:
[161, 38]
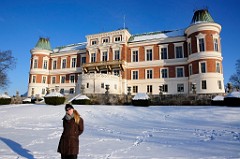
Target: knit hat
[68, 106]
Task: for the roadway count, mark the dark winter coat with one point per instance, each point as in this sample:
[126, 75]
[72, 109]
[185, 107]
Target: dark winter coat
[69, 141]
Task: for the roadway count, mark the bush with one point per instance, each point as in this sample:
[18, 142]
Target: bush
[4, 101]
[54, 100]
[81, 102]
[141, 102]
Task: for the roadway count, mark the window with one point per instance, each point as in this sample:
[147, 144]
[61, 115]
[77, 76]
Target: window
[33, 79]
[45, 64]
[215, 41]
[219, 85]
[179, 72]
[134, 75]
[165, 88]
[118, 38]
[149, 54]
[164, 54]
[135, 56]
[149, 88]
[189, 48]
[190, 69]
[71, 90]
[116, 72]
[35, 64]
[218, 67]
[87, 85]
[64, 63]
[72, 78]
[203, 67]
[93, 57]
[83, 60]
[43, 91]
[103, 71]
[204, 84]
[149, 74]
[102, 85]
[105, 40]
[54, 64]
[201, 44]
[116, 55]
[93, 42]
[164, 73]
[53, 80]
[62, 91]
[179, 52]
[180, 87]
[104, 56]
[135, 89]
[63, 79]
[74, 62]
[44, 79]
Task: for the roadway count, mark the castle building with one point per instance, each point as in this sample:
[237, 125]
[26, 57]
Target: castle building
[181, 61]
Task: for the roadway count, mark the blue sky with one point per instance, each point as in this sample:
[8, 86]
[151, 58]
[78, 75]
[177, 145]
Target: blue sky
[69, 21]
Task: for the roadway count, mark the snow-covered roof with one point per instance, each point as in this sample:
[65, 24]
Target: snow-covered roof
[218, 98]
[140, 96]
[4, 96]
[233, 95]
[78, 97]
[156, 35]
[54, 94]
[78, 46]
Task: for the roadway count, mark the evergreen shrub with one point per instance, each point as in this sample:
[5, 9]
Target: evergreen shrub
[81, 102]
[54, 100]
[5, 101]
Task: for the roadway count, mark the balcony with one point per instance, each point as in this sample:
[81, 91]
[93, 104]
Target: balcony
[116, 64]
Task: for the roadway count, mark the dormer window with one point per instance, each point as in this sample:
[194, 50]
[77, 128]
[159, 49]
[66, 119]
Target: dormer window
[118, 38]
[105, 40]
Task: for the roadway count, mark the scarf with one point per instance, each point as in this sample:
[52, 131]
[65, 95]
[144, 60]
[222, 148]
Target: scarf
[69, 117]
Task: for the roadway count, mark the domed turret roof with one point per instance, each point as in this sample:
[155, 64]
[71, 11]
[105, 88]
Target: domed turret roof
[43, 44]
[201, 16]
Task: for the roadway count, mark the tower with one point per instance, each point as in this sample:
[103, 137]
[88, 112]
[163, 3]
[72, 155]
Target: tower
[204, 53]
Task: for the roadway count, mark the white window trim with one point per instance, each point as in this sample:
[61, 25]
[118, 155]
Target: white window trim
[90, 56]
[43, 78]
[73, 77]
[63, 58]
[52, 79]
[189, 42]
[72, 61]
[132, 74]
[175, 49]
[35, 58]
[114, 53]
[161, 72]
[216, 36]
[117, 36]
[54, 59]
[134, 49]
[183, 72]
[160, 47]
[145, 50]
[217, 62]
[190, 66]
[61, 78]
[105, 50]
[200, 68]
[146, 73]
[35, 78]
[201, 36]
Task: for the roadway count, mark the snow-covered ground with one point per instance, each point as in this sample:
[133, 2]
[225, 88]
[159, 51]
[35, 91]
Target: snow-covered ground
[123, 132]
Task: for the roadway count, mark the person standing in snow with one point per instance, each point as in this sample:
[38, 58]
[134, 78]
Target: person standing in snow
[73, 127]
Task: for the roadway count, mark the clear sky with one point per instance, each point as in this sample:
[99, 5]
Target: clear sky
[65, 22]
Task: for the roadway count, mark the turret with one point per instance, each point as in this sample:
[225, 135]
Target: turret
[204, 53]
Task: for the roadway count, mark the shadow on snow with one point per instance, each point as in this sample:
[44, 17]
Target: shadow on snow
[17, 148]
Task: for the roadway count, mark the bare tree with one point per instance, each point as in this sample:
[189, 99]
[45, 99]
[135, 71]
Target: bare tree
[235, 78]
[7, 62]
